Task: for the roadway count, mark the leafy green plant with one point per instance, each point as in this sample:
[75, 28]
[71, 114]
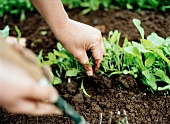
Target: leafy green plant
[162, 5]
[19, 7]
[156, 61]
[92, 5]
[148, 61]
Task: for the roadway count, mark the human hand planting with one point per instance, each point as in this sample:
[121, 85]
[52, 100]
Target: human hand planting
[76, 37]
[79, 38]
[19, 88]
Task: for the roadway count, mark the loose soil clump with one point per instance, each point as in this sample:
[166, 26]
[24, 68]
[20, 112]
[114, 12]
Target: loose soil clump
[123, 96]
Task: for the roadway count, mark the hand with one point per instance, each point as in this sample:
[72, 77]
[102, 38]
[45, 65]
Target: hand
[20, 93]
[78, 38]
[19, 88]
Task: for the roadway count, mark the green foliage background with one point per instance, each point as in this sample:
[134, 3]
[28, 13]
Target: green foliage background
[16, 7]
[20, 6]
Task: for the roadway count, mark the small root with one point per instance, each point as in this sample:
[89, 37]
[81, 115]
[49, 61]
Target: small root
[126, 119]
[110, 117]
[100, 118]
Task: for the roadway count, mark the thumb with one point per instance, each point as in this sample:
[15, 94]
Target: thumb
[84, 60]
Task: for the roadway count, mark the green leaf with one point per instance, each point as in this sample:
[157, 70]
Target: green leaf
[146, 43]
[59, 46]
[85, 11]
[164, 88]
[167, 41]
[133, 51]
[106, 44]
[149, 61]
[72, 72]
[155, 39]
[140, 47]
[162, 75]
[125, 44]
[60, 54]
[128, 72]
[51, 56]
[115, 73]
[150, 79]
[56, 80]
[49, 62]
[114, 37]
[5, 32]
[160, 53]
[167, 46]
[40, 55]
[167, 49]
[140, 29]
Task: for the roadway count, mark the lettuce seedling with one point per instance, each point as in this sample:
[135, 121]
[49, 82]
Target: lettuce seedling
[148, 60]
[156, 58]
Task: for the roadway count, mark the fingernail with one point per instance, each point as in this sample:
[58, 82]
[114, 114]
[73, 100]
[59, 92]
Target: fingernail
[89, 73]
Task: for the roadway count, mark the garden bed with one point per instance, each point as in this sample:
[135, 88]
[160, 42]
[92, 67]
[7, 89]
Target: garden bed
[132, 103]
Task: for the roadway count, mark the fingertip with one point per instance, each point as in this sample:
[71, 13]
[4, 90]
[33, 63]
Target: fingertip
[54, 96]
[88, 69]
[89, 73]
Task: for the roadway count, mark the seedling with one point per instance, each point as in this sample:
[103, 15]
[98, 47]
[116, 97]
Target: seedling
[147, 61]
[18, 32]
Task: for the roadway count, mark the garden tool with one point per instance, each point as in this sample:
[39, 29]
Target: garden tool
[26, 59]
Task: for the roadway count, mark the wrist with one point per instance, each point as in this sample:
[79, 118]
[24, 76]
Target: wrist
[61, 28]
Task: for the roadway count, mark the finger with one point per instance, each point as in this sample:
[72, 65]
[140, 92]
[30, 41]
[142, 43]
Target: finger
[97, 62]
[35, 108]
[103, 48]
[97, 54]
[84, 60]
[42, 93]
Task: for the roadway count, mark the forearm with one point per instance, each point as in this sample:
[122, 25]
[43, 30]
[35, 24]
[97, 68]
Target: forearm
[53, 12]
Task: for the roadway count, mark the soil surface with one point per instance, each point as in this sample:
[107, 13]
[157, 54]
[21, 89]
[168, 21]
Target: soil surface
[119, 98]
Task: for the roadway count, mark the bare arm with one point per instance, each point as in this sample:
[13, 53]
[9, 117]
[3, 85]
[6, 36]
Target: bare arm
[53, 12]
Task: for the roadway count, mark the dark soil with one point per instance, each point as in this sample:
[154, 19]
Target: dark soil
[120, 95]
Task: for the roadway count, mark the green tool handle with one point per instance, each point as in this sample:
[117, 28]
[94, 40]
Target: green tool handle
[69, 111]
